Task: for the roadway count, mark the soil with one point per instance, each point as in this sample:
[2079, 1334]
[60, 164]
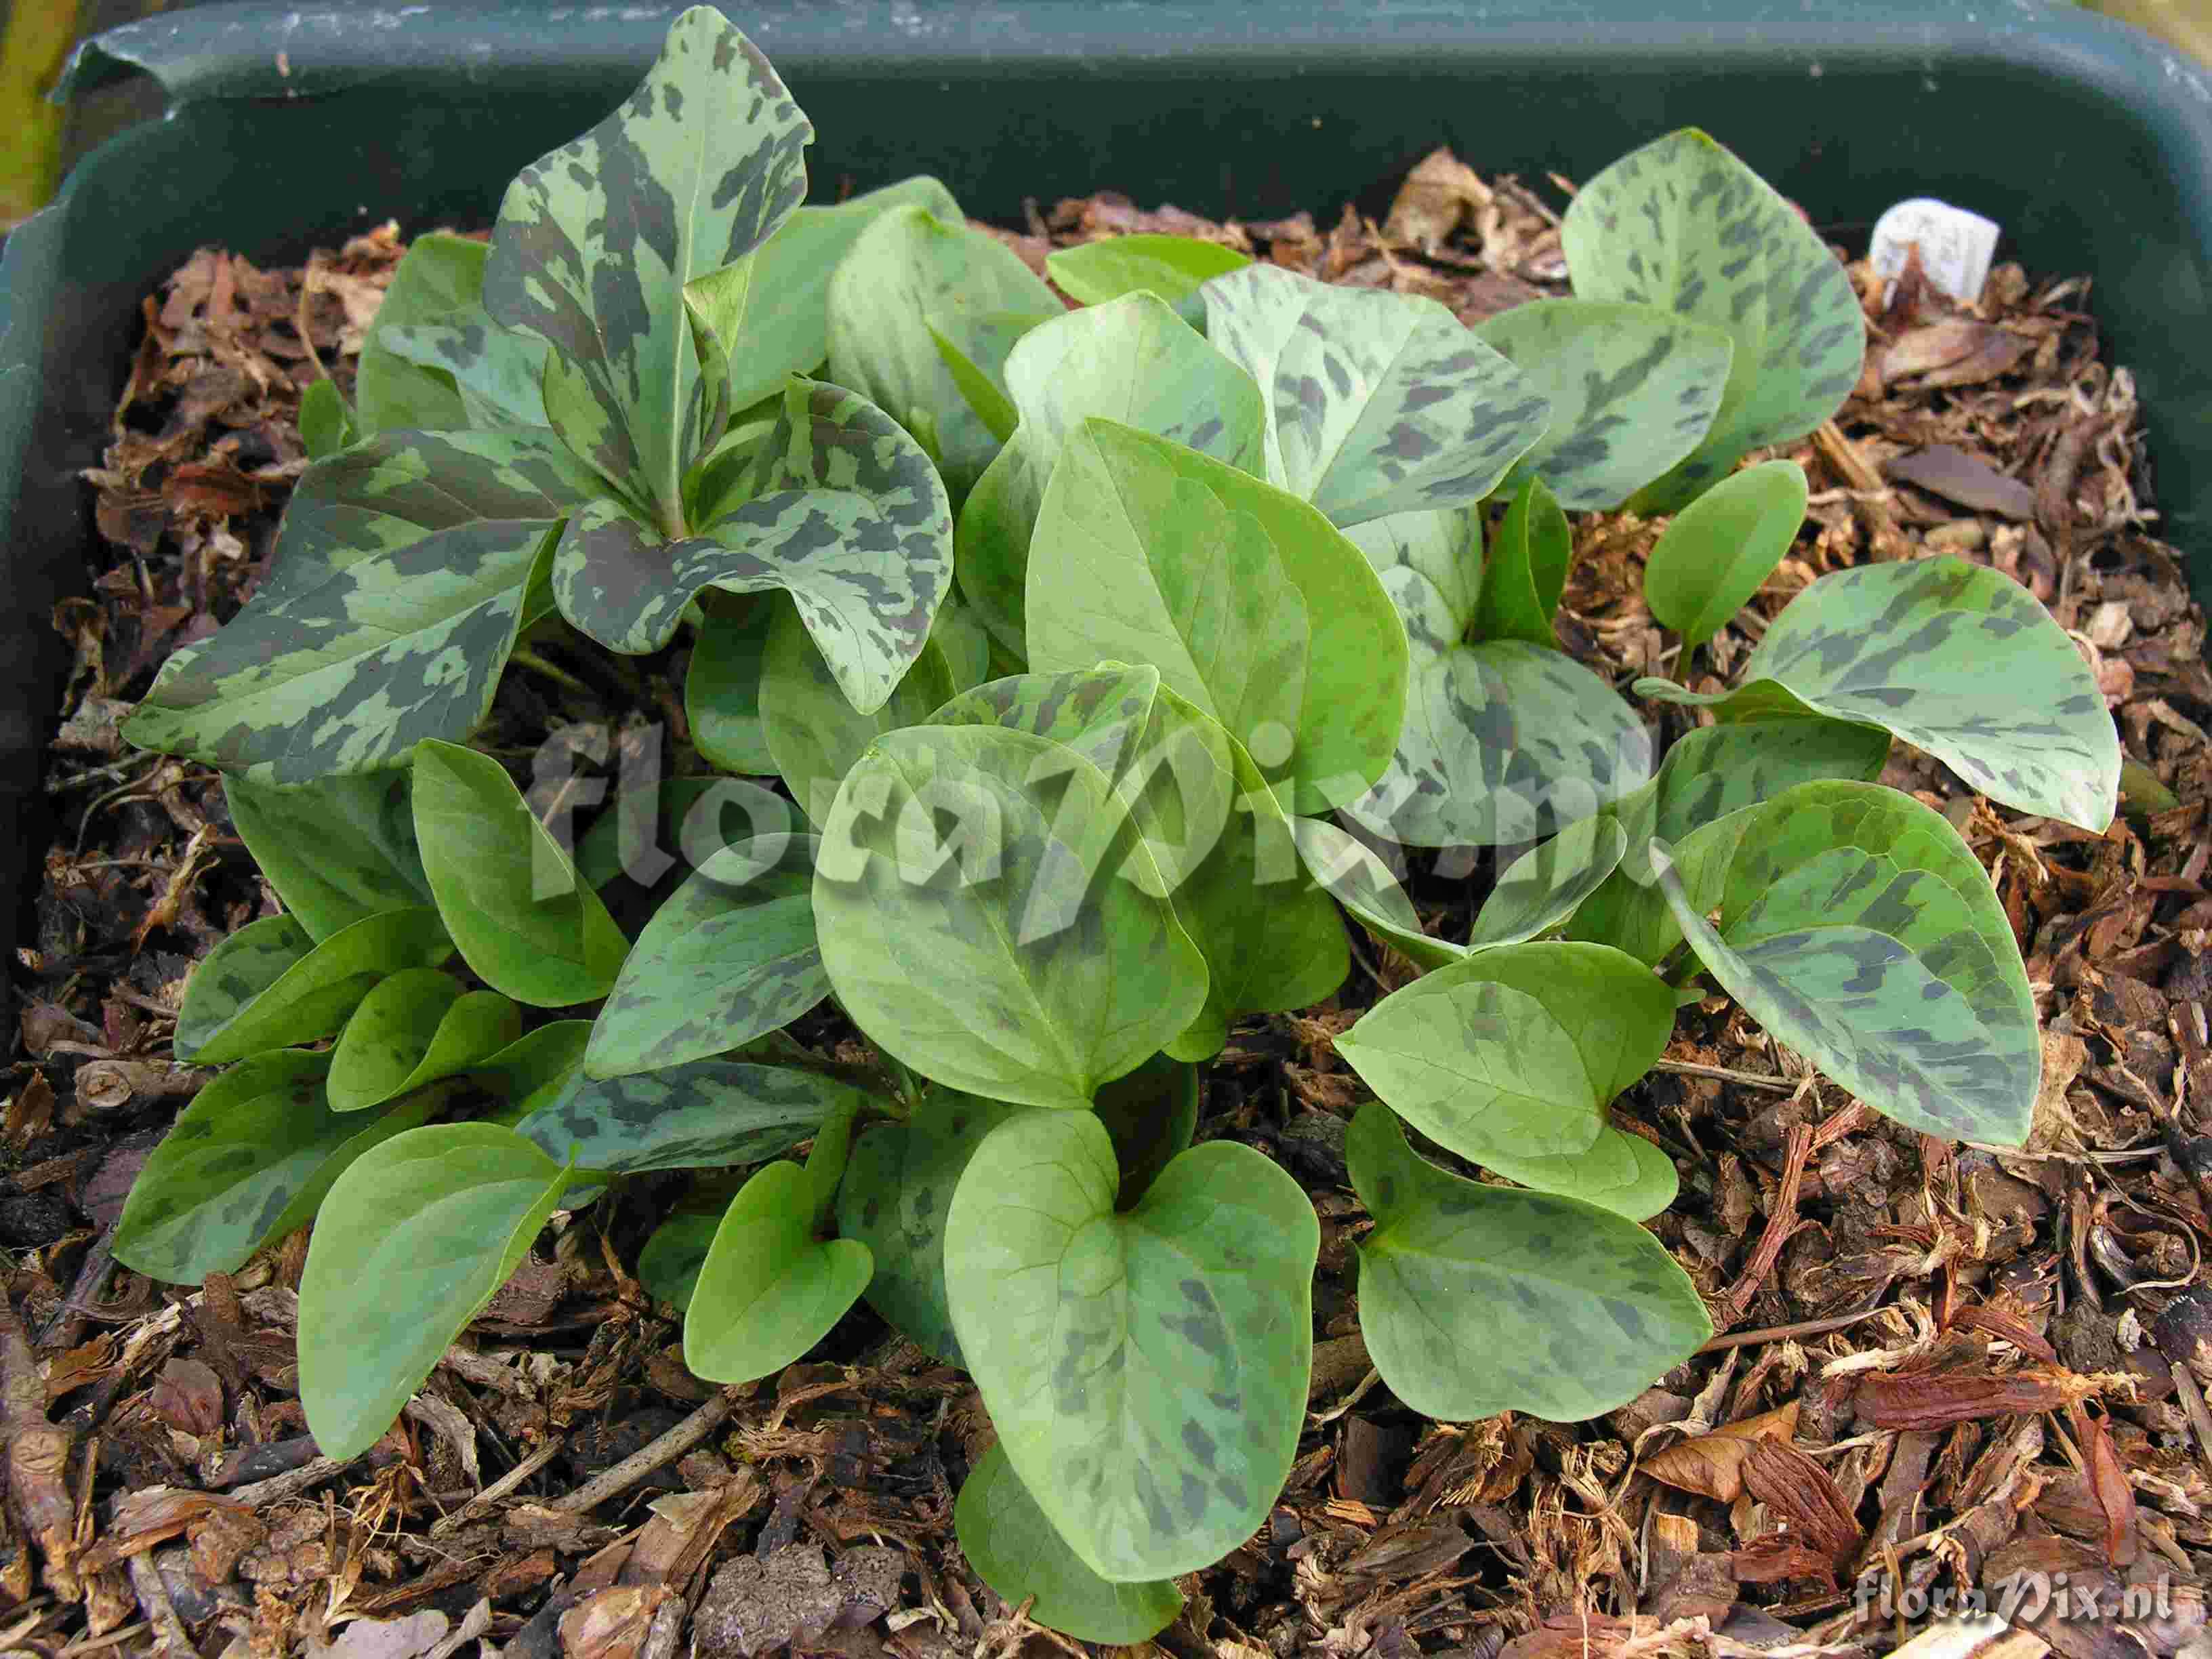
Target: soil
[1943, 1362]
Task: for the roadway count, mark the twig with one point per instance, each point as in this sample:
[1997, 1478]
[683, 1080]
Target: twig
[1781, 1222]
[94, 1643]
[639, 1464]
[1788, 1333]
[290, 1484]
[500, 1488]
[2193, 1403]
[169, 1634]
[1784, 1085]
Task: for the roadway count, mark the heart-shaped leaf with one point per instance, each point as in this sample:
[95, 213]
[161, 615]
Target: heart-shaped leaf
[1169, 268]
[1633, 388]
[1956, 659]
[771, 1286]
[1509, 1056]
[840, 509]
[1503, 741]
[1858, 928]
[721, 691]
[412, 1029]
[897, 1194]
[1134, 361]
[1718, 550]
[1352, 874]
[1525, 570]
[1010, 1541]
[908, 276]
[1476, 1300]
[248, 1160]
[1545, 885]
[336, 851]
[596, 242]
[266, 986]
[993, 945]
[525, 924]
[441, 274]
[1252, 607]
[668, 1267]
[1377, 403]
[814, 733]
[1145, 1370]
[1683, 225]
[731, 956]
[700, 1115]
[415, 1237]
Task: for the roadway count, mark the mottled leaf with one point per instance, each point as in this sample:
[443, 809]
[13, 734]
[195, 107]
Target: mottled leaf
[1011, 1543]
[413, 1028]
[1356, 877]
[841, 510]
[1431, 564]
[1525, 570]
[498, 375]
[897, 1194]
[1957, 659]
[1503, 741]
[994, 944]
[1134, 361]
[1545, 885]
[1477, 1299]
[1858, 928]
[668, 1267]
[974, 350]
[1169, 268]
[1511, 1056]
[814, 733]
[907, 274]
[536, 1067]
[1377, 403]
[729, 957]
[771, 1286]
[721, 690]
[1252, 607]
[247, 1161]
[596, 240]
[266, 986]
[440, 274]
[525, 924]
[1683, 225]
[1145, 1370]
[1633, 388]
[699, 1115]
[415, 1237]
[1717, 551]
[336, 851]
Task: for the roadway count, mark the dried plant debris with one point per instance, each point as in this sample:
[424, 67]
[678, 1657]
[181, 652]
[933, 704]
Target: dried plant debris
[1942, 1372]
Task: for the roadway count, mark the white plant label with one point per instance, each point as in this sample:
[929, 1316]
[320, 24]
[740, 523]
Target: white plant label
[1955, 246]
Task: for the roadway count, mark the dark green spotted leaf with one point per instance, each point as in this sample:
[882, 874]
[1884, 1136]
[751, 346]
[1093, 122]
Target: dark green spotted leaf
[1503, 741]
[1709, 773]
[247, 1161]
[535, 1067]
[897, 1194]
[700, 1115]
[1170, 268]
[325, 424]
[266, 986]
[440, 275]
[1145, 1370]
[1718, 550]
[1683, 225]
[974, 349]
[1477, 1299]
[1134, 361]
[1010, 1543]
[731, 956]
[1356, 877]
[336, 851]
[1511, 1056]
[1858, 928]
[413, 1239]
[1955, 659]
[1633, 388]
[910, 277]
[1525, 570]
[413, 1028]
[668, 1267]
[840, 509]
[721, 691]
[1377, 403]
[814, 733]
[1151, 1113]
[523, 922]
[498, 375]
[1431, 563]
[596, 242]
[1543, 886]
[1251, 605]
[993, 943]
[772, 1286]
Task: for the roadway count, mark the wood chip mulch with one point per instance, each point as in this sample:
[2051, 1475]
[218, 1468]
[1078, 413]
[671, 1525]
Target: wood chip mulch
[1944, 1365]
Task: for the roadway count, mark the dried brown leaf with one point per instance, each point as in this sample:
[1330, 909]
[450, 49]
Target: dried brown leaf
[1711, 1465]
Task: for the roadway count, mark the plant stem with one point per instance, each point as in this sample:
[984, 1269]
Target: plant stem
[524, 657]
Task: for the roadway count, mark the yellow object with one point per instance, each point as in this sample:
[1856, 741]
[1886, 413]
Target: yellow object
[2186, 24]
[39, 36]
